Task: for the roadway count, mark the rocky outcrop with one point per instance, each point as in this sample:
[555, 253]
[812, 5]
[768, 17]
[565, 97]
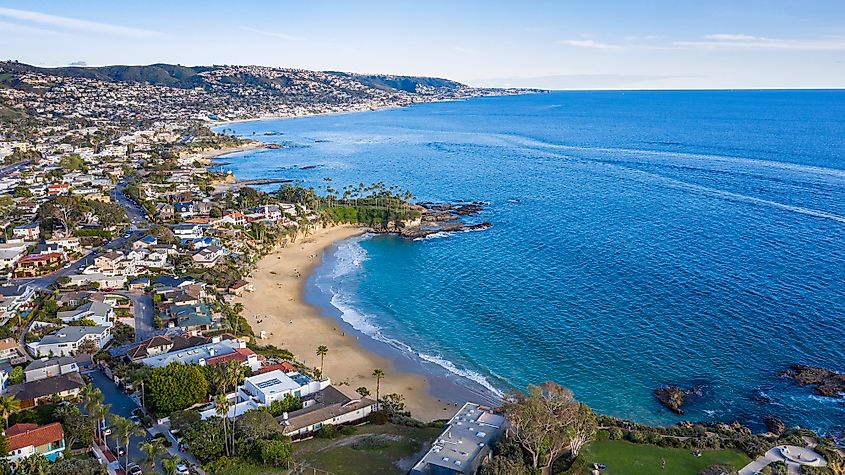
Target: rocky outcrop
[774, 425]
[672, 398]
[826, 382]
[440, 218]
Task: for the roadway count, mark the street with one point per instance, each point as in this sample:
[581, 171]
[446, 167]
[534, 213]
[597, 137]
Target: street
[121, 405]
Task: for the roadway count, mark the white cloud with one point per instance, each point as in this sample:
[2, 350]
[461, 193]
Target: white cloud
[732, 37]
[588, 44]
[74, 24]
[459, 49]
[273, 34]
[746, 42]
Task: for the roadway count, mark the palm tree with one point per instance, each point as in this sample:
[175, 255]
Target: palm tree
[222, 406]
[8, 405]
[322, 351]
[98, 411]
[152, 450]
[124, 429]
[378, 373]
[234, 372]
[169, 464]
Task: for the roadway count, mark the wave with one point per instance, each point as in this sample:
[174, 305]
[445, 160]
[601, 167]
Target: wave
[349, 257]
[441, 234]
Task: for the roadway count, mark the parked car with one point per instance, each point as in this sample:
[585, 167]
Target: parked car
[134, 469]
[182, 469]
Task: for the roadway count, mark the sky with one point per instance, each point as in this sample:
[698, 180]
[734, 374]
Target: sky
[624, 44]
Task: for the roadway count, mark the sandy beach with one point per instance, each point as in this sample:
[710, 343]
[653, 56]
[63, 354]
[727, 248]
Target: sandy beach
[289, 322]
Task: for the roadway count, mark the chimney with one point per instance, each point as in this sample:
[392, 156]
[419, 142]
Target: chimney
[211, 351]
[285, 416]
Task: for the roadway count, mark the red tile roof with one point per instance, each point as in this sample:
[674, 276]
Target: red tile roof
[284, 366]
[25, 435]
[240, 355]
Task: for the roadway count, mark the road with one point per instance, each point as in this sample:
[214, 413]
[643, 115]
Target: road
[144, 313]
[136, 213]
[121, 405]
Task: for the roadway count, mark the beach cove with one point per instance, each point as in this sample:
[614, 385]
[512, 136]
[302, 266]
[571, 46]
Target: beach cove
[277, 307]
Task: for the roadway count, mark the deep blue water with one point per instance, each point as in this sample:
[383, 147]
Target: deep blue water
[640, 239]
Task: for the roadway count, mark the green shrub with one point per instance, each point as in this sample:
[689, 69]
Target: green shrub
[347, 430]
[327, 432]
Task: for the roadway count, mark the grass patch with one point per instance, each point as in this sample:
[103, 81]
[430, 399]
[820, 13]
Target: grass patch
[373, 449]
[625, 458]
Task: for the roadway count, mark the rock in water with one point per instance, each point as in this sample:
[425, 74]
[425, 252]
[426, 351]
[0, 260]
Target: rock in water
[774, 425]
[672, 398]
[827, 383]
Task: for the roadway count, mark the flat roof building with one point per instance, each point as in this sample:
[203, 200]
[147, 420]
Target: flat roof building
[465, 443]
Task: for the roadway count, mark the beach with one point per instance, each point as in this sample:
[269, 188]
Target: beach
[277, 301]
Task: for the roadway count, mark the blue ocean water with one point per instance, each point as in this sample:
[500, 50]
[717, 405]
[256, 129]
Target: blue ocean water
[640, 239]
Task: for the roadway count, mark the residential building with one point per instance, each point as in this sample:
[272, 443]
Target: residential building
[330, 406]
[27, 232]
[9, 349]
[34, 265]
[275, 385]
[186, 231]
[208, 256]
[465, 443]
[33, 393]
[14, 299]
[66, 340]
[47, 368]
[27, 439]
[191, 355]
[100, 313]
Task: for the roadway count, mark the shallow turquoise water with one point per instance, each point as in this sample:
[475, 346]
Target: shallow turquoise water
[639, 239]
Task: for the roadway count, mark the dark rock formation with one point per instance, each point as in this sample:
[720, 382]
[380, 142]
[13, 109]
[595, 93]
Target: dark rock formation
[672, 398]
[774, 425]
[826, 382]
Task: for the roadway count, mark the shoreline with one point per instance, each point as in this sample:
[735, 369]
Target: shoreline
[278, 302]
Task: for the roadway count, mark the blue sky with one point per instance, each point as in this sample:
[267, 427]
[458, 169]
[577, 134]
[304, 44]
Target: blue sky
[561, 45]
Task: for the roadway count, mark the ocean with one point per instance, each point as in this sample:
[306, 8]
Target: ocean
[639, 239]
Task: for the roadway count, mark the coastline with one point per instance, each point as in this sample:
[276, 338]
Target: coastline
[280, 281]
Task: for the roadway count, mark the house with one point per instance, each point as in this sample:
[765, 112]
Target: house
[235, 218]
[244, 357]
[10, 253]
[67, 244]
[101, 280]
[465, 443]
[208, 257]
[185, 208]
[33, 393]
[100, 313]
[269, 212]
[173, 282]
[205, 241]
[159, 345]
[190, 316]
[186, 231]
[164, 211]
[27, 232]
[66, 340]
[47, 368]
[26, 439]
[140, 284]
[194, 354]
[58, 189]
[34, 265]
[275, 385]
[71, 299]
[14, 299]
[240, 286]
[330, 406]
[145, 242]
[109, 263]
[9, 349]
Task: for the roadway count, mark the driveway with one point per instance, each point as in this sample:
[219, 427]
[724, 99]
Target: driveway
[121, 405]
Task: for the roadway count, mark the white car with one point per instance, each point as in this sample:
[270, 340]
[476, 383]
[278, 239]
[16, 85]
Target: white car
[182, 469]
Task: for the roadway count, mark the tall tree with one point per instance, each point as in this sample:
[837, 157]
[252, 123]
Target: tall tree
[582, 430]
[124, 429]
[540, 421]
[8, 405]
[322, 351]
[378, 373]
[152, 450]
[222, 406]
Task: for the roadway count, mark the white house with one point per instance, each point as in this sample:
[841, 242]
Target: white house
[65, 341]
[275, 385]
[100, 313]
[188, 231]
